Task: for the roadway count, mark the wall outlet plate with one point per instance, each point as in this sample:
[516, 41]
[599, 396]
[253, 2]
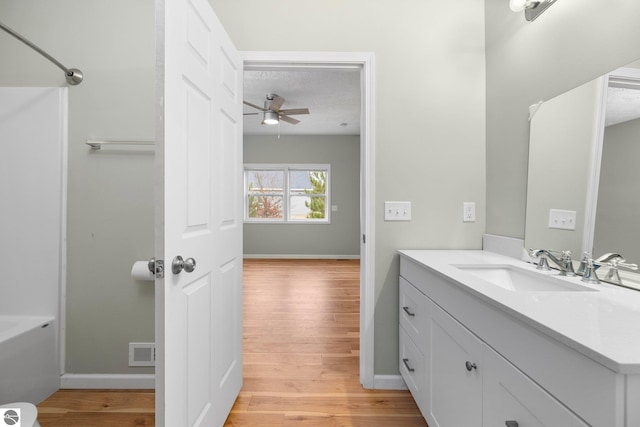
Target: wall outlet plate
[562, 219]
[469, 212]
[397, 211]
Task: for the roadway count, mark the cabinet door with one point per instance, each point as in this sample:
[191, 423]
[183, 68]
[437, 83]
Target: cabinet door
[412, 368]
[512, 399]
[456, 371]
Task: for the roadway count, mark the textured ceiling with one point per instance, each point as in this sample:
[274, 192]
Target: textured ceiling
[623, 95]
[331, 95]
[623, 104]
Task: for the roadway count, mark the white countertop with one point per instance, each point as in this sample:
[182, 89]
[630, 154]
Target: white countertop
[602, 325]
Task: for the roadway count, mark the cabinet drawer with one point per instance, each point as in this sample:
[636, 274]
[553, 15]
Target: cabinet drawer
[509, 395]
[412, 369]
[414, 314]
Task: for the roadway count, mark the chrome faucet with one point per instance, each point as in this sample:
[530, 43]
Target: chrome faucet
[608, 258]
[564, 262]
[589, 274]
[614, 261]
[586, 256]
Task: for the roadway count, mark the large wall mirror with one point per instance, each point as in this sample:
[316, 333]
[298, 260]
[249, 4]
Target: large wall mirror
[584, 150]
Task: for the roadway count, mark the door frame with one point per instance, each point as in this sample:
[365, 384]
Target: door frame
[365, 62]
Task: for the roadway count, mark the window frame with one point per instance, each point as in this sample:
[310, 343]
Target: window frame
[286, 168]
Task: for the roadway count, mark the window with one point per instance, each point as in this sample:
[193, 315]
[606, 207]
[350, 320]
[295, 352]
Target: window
[286, 193]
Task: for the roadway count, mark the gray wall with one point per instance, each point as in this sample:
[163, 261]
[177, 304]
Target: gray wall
[430, 126]
[430, 121]
[571, 43]
[618, 209]
[430, 79]
[110, 194]
[341, 236]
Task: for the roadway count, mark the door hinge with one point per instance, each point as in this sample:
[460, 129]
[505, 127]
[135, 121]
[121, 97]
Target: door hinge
[364, 238]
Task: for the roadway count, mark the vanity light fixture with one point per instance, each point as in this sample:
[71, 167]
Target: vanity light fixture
[532, 8]
[270, 118]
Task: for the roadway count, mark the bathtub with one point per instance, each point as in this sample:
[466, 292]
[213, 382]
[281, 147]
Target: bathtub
[29, 368]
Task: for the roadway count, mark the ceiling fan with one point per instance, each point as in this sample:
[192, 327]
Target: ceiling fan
[272, 112]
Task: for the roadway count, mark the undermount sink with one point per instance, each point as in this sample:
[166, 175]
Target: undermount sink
[517, 279]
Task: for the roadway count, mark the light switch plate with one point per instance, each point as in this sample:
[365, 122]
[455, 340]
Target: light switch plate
[397, 211]
[562, 219]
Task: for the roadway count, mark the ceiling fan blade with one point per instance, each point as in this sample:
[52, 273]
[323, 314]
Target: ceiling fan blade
[250, 114]
[276, 103]
[294, 111]
[253, 105]
[289, 120]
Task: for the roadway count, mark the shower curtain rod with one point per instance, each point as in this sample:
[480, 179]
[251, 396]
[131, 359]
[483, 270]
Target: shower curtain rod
[73, 75]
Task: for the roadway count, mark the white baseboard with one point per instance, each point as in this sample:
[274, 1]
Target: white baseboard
[299, 256]
[108, 381]
[147, 381]
[388, 382]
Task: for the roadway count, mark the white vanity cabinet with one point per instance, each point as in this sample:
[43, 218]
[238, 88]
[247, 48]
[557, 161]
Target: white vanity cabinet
[469, 363]
[414, 330]
[430, 337]
[511, 399]
[455, 389]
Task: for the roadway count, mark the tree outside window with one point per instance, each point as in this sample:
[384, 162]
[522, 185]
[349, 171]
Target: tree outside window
[287, 193]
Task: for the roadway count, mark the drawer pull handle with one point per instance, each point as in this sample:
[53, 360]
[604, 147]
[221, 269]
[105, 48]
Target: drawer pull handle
[406, 310]
[470, 367]
[406, 363]
[511, 423]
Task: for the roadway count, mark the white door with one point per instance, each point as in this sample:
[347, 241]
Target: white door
[198, 216]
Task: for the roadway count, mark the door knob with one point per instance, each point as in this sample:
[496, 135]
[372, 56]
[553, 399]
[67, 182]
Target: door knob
[511, 423]
[178, 264]
[470, 366]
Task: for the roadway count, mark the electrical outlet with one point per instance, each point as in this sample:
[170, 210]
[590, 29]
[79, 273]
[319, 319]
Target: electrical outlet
[397, 211]
[469, 212]
[561, 219]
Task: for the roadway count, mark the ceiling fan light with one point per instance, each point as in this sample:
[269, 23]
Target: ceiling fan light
[270, 118]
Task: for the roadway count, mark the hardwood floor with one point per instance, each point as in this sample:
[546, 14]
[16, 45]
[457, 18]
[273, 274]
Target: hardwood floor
[98, 408]
[301, 355]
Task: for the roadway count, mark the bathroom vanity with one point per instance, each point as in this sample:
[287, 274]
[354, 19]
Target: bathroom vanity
[487, 340]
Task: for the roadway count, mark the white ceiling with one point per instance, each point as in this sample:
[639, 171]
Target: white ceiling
[331, 95]
[623, 104]
[623, 95]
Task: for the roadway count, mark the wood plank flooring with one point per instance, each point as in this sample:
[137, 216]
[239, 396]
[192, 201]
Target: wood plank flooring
[301, 356]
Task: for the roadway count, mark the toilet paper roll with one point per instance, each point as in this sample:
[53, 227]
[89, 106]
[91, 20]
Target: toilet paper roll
[140, 271]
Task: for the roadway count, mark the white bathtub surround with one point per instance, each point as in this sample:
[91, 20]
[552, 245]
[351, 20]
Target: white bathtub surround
[29, 369]
[33, 125]
[574, 348]
[33, 170]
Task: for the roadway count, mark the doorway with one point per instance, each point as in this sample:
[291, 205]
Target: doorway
[365, 63]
